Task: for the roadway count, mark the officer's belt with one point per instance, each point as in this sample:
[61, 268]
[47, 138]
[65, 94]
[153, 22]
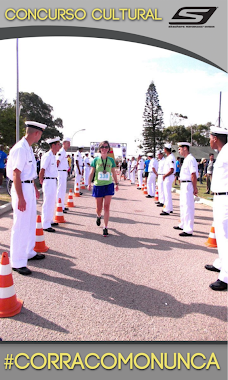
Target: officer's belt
[160, 174]
[185, 181]
[50, 178]
[221, 193]
[64, 170]
[27, 181]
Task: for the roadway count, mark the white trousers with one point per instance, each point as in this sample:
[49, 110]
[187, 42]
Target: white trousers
[128, 173]
[220, 213]
[49, 196]
[167, 186]
[23, 233]
[161, 197]
[133, 177]
[62, 186]
[77, 178]
[140, 177]
[187, 207]
[86, 175]
[151, 181]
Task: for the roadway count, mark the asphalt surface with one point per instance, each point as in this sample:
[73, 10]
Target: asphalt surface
[143, 282]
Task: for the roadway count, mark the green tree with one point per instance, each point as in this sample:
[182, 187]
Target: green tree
[8, 124]
[200, 134]
[33, 108]
[177, 133]
[153, 121]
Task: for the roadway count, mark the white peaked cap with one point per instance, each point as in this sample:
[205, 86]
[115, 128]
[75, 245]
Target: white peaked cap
[218, 131]
[36, 125]
[50, 141]
[183, 143]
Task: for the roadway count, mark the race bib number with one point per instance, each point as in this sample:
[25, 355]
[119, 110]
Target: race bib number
[103, 176]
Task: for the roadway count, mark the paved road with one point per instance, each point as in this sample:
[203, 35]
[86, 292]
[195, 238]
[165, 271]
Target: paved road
[143, 282]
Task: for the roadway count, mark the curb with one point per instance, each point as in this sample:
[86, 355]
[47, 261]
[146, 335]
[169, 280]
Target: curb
[8, 206]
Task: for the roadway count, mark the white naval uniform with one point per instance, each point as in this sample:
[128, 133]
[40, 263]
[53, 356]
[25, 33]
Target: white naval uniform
[48, 163]
[161, 197]
[23, 233]
[152, 177]
[133, 168]
[129, 169]
[219, 184]
[61, 156]
[77, 175]
[86, 170]
[187, 205]
[141, 165]
[168, 181]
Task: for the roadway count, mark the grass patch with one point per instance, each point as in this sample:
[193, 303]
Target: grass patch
[201, 191]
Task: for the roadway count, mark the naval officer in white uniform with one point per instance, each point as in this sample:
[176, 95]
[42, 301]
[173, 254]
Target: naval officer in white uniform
[219, 186]
[152, 170]
[62, 165]
[188, 178]
[21, 169]
[168, 178]
[48, 179]
[86, 168]
[140, 167]
[161, 198]
[78, 168]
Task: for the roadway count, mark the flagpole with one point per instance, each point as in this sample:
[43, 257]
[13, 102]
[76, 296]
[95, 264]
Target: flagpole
[17, 97]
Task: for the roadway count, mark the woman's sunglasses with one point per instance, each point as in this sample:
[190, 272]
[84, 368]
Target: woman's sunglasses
[104, 147]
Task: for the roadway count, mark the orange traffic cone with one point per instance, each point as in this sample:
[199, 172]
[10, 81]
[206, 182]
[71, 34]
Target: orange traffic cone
[143, 186]
[70, 202]
[76, 193]
[10, 305]
[211, 242]
[59, 217]
[83, 184]
[156, 195]
[40, 245]
[145, 190]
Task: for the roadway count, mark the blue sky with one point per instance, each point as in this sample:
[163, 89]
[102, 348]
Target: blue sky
[100, 84]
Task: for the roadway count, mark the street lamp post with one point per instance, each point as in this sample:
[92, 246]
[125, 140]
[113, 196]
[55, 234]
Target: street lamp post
[80, 130]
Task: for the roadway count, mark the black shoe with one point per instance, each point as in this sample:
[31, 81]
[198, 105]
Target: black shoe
[211, 268]
[98, 221]
[177, 228]
[184, 234]
[139, 188]
[64, 211]
[149, 196]
[164, 213]
[218, 285]
[160, 205]
[157, 203]
[54, 224]
[105, 232]
[171, 212]
[66, 208]
[49, 229]
[24, 271]
[207, 192]
[80, 193]
[38, 256]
